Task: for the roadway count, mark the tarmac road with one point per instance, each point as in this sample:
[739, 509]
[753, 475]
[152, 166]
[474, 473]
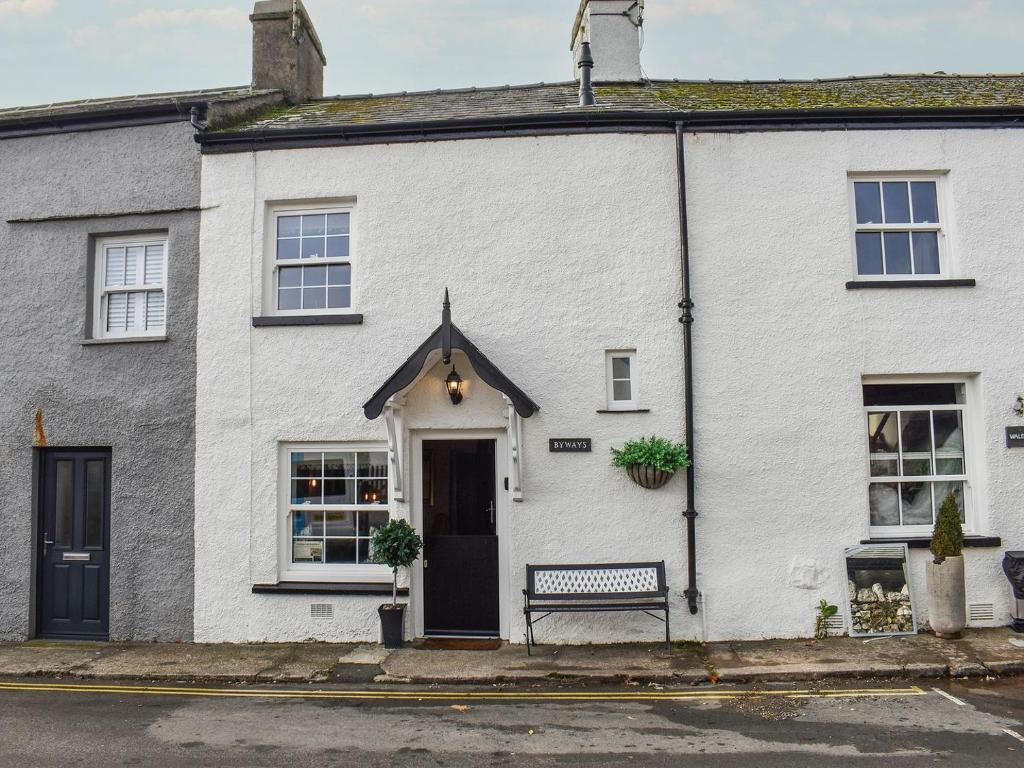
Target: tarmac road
[56, 723]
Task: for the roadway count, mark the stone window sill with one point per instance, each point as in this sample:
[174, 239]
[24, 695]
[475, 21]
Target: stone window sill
[288, 320]
[122, 340]
[624, 410]
[929, 283]
[923, 542]
[327, 588]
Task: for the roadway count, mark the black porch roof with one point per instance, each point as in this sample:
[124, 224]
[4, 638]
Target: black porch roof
[447, 337]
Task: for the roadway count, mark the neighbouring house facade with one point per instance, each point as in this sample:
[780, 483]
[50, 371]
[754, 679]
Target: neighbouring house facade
[241, 329]
[99, 242]
[849, 245]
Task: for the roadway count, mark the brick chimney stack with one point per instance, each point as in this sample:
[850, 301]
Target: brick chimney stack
[286, 52]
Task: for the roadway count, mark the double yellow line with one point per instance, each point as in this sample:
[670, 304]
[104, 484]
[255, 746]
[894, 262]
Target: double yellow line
[456, 696]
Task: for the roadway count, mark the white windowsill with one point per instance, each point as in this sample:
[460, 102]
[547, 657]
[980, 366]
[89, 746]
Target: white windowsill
[366, 575]
[122, 340]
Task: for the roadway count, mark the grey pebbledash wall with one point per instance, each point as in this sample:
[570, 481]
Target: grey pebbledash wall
[138, 399]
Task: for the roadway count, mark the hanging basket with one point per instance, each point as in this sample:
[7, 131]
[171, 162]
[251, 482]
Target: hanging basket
[647, 476]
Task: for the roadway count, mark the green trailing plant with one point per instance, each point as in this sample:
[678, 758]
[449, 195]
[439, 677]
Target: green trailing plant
[948, 536]
[825, 612]
[396, 545]
[654, 452]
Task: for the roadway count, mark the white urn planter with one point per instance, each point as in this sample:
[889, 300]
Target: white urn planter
[947, 597]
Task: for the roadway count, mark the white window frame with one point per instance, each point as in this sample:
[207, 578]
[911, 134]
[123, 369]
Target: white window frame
[942, 228]
[621, 405]
[273, 264]
[969, 428]
[100, 290]
[325, 572]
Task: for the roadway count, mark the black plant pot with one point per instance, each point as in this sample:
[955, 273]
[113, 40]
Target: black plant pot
[392, 624]
[648, 477]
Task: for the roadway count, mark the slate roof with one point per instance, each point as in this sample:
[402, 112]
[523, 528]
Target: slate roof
[141, 102]
[903, 92]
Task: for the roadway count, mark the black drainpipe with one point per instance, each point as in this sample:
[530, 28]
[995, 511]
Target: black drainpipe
[690, 513]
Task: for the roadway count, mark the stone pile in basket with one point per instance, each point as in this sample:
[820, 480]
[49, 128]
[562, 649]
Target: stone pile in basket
[875, 611]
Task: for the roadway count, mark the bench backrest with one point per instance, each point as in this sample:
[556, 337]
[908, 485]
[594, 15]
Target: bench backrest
[596, 581]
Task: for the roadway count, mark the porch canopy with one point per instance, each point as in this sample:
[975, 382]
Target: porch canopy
[444, 339]
[439, 345]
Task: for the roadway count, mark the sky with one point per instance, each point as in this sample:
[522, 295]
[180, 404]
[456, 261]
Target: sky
[56, 50]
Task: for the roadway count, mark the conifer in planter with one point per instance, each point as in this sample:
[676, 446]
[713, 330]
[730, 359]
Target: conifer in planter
[651, 462]
[395, 545]
[947, 596]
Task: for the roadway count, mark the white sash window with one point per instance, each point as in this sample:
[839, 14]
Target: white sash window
[333, 498]
[917, 455]
[131, 288]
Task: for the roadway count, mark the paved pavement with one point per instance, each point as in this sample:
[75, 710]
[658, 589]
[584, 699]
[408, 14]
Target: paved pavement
[980, 653]
[44, 722]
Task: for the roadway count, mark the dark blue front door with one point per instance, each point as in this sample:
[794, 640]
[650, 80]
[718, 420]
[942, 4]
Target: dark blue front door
[74, 544]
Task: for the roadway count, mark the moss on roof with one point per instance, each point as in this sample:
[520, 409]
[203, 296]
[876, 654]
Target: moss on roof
[905, 92]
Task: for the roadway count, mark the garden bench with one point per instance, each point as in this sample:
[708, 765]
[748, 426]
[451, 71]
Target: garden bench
[593, 588]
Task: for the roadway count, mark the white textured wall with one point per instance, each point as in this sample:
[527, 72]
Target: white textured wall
[781, 346]
[554, 250]
[558, 248]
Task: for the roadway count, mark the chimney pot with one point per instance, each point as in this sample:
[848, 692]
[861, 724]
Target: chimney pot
[286, 52]
[585, 65]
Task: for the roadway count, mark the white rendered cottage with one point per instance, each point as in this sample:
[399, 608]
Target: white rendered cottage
[854, 353]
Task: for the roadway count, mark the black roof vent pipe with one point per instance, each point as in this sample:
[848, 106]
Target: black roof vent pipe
[586, 66]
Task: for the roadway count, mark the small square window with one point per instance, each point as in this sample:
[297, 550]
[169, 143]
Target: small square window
[620, 371]
[130, 287]
[897, 231]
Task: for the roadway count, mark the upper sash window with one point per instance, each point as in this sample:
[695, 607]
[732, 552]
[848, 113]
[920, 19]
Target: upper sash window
[313, 261]
[130, 297]
[898, 228]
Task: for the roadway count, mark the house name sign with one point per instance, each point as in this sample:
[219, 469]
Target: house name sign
[1015, 437]
[570, 444]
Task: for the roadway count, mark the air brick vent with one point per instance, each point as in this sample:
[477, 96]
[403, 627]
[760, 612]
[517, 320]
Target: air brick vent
[981, 613]
[321, 611]
[836, 625]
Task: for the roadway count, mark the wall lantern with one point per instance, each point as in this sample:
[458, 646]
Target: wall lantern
[454, 385]
[1019, 407]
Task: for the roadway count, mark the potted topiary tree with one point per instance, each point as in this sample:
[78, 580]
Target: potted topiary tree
[947, 596]
[651, 462]
[395, 545]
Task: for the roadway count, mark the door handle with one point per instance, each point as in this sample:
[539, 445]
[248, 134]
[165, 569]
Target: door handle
[490, 508]
[47, 542]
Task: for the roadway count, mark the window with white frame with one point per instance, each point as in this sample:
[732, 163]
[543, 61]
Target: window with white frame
[336, 497]
[620, 374]
[312, 261]
[916, 454]
[898, 232]
[130, 294]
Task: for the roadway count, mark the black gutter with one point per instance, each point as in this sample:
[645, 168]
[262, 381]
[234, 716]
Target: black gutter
[690, 513]
[98, 120]
[602, 120]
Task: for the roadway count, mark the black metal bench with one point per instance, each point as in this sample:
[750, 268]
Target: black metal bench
[595, 587]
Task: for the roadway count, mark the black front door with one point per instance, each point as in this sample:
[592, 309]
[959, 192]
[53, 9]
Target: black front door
[460, 543]
[74, 536]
